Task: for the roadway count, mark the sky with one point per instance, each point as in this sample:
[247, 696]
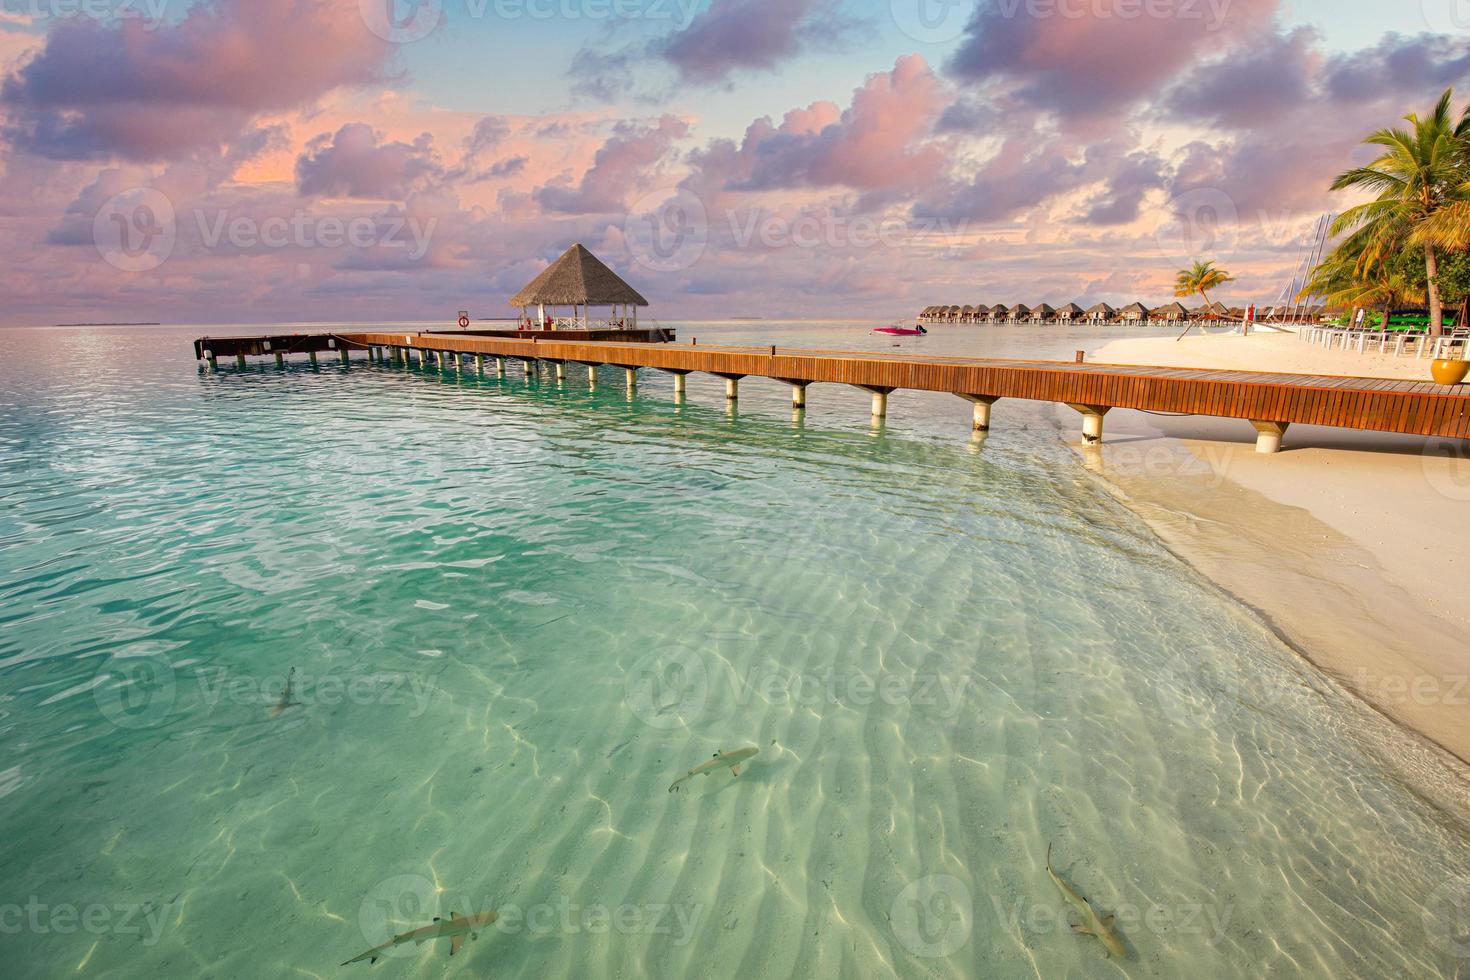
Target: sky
[240, 161]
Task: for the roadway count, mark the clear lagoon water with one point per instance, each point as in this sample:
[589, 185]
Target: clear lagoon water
[513, 612]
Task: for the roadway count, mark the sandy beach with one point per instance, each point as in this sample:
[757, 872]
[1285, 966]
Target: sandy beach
[1343, 541]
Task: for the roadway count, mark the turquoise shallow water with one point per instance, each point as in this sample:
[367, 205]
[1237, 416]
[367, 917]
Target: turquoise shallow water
[517, 611]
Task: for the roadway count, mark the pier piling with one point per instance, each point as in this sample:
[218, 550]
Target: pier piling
[1268, 436]
[1092, 421]
[982, 405]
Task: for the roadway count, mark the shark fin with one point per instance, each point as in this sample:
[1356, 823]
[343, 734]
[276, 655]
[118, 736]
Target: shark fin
[455, 944]
[734, 770]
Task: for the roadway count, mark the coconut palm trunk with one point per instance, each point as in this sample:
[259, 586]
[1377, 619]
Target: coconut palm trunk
[1436, 304]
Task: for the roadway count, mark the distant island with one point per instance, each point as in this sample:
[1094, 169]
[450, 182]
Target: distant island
[108, 324]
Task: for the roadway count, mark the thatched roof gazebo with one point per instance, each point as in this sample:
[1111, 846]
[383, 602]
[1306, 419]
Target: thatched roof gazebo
[1069, 313]
[1020, 312]
[1042, 313]
[1100, 313]
[580, 280]
[999, 313]
[1134, 313]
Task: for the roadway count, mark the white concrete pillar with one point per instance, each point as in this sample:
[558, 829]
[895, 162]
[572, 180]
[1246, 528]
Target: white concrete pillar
[732, 389]
[680, 385]
[500, 367]
[240, 361]
[1268, 435]
[592, 375]
[880, 404]
[798, 396]
[561, 372]
[632, 376]
[480, 364]
[982, 405]
[530, 367]
[1092, 421]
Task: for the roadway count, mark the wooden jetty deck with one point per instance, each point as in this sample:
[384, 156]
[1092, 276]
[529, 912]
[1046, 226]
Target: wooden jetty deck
[1270, 402]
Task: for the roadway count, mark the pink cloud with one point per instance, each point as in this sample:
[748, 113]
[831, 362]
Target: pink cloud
[121, 89]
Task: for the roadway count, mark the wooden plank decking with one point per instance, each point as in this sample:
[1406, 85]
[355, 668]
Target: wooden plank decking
[1268, 400]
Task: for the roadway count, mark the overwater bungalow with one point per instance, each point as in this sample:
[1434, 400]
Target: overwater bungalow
[1133, 313]
[1070, 313]
[1172, 313]
[1020, 313]
[982, 313]
[578, 280]
[1044, 313]
[967, 314]
[1100, 313]
[999, 313]
[953, 314]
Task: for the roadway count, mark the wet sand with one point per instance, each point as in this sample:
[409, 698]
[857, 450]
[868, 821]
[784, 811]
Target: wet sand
[1346, 542]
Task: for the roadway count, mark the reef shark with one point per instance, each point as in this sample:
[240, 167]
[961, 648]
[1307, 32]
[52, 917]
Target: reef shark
[285, 701]
[456, 928]
[731, 759]
[1098, 927]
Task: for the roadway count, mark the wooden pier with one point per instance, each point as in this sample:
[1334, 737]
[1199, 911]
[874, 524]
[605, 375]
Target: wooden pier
[1270, 402]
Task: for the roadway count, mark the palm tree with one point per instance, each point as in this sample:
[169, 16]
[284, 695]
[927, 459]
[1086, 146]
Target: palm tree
[1199, 279]
[1364, 279]
[1422, 172]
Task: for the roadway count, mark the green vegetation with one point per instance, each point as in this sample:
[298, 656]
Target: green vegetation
[1199, 280]
[1409, 243]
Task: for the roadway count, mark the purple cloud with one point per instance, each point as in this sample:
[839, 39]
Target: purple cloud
[619, 168]
[355, 163]
[100, 90]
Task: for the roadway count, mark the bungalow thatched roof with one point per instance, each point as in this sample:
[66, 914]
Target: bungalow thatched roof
[1173, 311]
[577, 278]
[1071, 309]
[1100, 308]
[1135, 309]
[981, 310]
[1020, 309]
[1045, 309]
[1000, 309]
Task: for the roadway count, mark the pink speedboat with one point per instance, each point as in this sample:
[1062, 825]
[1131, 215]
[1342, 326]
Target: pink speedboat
[899, 330]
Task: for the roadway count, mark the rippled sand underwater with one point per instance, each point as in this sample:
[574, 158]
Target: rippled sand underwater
[518, 612]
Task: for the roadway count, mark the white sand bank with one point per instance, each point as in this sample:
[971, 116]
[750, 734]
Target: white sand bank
[1350, 543]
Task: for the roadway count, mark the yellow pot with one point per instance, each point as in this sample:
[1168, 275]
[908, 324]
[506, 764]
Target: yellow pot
[1449, 372]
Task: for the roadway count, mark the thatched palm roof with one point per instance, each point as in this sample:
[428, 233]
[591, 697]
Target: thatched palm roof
[1174, 311]
[1071, 309]
[982, 310]
[1000, 309]
[578, 278]
[1137, 308]
[1045, 309]
[1100, 308]
[1020, 309]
